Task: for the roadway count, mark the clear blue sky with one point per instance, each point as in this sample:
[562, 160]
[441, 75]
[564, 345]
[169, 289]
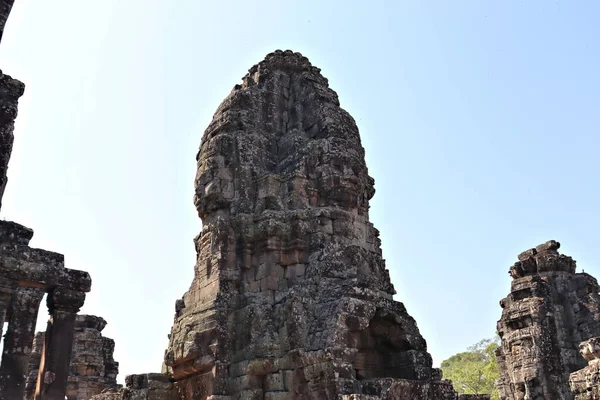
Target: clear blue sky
[479, 118]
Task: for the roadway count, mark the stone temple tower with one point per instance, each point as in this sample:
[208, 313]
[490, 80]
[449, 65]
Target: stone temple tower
[550, 310]
[291, 298]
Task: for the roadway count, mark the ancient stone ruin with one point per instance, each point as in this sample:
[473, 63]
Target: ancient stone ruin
[585, 383]
[550, 310]
[291, 299]
[26, 275]
[151, 386]
[93, 368]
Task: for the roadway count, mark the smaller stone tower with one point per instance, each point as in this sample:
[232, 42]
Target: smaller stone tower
[549, 311]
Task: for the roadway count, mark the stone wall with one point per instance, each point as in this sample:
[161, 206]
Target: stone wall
[549, 311]
[92, 369]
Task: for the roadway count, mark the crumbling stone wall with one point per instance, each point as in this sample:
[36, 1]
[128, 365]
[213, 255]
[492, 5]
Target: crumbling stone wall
[585, 383]
[549, 311]
[93, 368]
[291, 296]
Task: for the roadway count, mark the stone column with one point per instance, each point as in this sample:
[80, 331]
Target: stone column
[63, 305]
[22, 316]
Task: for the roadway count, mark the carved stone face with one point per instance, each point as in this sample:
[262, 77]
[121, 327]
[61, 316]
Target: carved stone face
[521, 348]
[515, 271]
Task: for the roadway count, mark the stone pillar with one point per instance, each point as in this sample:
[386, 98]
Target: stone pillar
[63, 305]
[22, 316]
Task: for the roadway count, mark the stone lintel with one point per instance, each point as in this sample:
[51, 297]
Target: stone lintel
[40, 268]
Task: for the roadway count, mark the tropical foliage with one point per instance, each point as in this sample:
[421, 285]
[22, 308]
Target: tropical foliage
[475, 370]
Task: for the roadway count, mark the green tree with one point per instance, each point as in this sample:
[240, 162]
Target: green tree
[475, 370]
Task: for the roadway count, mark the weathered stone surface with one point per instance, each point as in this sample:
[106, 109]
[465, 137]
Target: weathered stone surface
[10, 91]
[142, 387]
[549, 311]
[585, 383]
[474, 397]
[290, 286]
[93, 368]
[401, 389]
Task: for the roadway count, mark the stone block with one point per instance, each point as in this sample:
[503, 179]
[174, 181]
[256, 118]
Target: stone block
[273, 382]
[278, 396]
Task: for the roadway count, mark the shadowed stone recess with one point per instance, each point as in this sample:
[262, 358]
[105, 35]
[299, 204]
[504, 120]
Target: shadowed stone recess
[291, 298]
[550, 310]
